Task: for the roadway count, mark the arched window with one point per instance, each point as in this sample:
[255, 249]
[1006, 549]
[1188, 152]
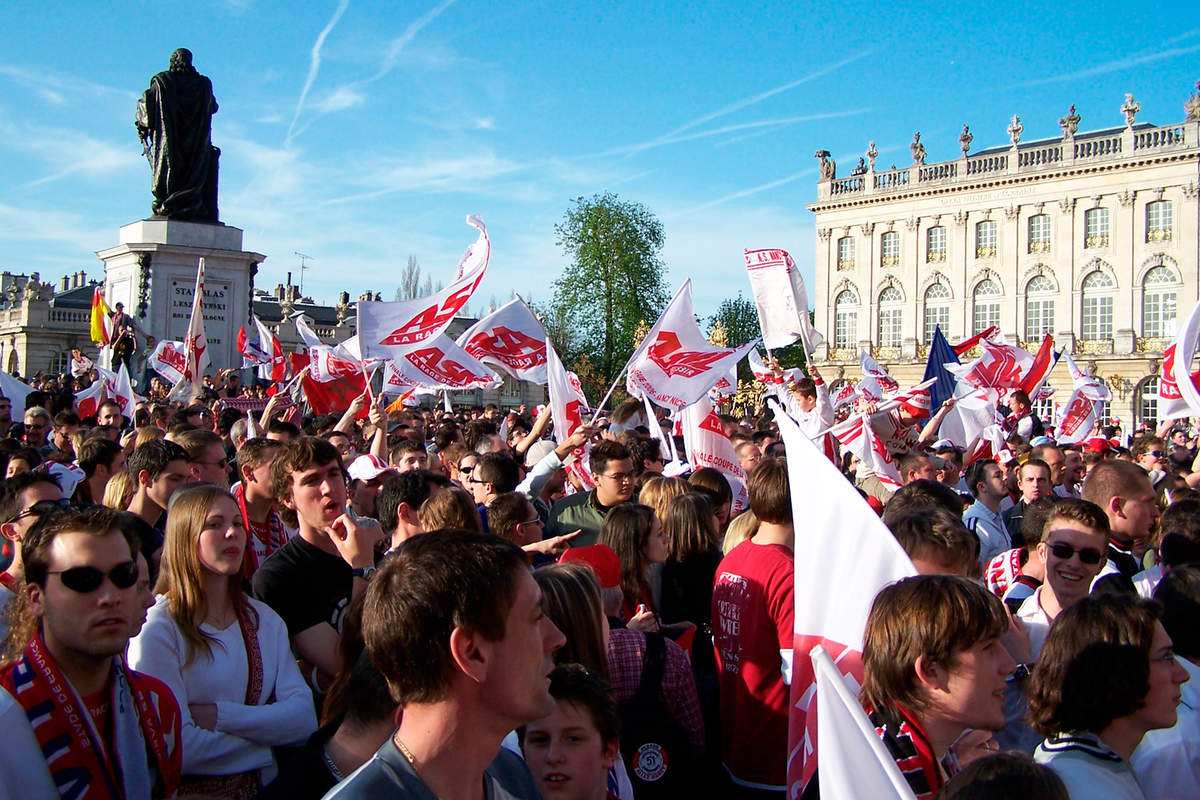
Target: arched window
[1039, 308]
[1095, 227]
[845, 253]
[985, 239]
[845, 319]
[1159, 307]
[1158, 221]
[937, 310]
[987, 305]
[1039, 233]
[1097, 306]
[891, 316]
[1147, 403]
[889, 249]
[935, 244]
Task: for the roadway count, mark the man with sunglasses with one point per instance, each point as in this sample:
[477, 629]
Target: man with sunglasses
[1072, 551]
[77, 721]
[1150, 453]
[584, 511]
[37, 429]
[25, 499]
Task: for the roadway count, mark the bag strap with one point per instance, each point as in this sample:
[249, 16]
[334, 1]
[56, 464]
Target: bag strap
[653, 666]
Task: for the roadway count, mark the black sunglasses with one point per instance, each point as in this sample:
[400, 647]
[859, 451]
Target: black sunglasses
[41, 508]
[1088, 555]
[88, 579]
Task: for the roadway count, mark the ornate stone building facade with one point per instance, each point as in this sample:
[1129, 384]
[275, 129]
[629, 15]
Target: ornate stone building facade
[1091, 237]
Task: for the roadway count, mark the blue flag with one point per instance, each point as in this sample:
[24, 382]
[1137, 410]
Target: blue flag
[940, 352]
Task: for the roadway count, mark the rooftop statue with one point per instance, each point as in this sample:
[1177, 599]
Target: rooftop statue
[174, 122]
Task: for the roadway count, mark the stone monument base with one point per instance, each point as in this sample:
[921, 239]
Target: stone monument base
[153, 273]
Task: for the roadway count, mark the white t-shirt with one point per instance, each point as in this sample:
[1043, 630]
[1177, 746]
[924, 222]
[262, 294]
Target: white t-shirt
[1035, 622]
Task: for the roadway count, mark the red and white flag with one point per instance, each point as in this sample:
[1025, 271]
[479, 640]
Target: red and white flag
[510, 338]
[966, 344]
[307, 334]
[707, 445]
[567, 403]
[437, 363]
[118, 388]
[876, 383]
[265, 352]
[764, 374]
[1005, 367]
[781, 300]
[844, 555]
[1178, 385]
[169, 360]
[388, 329]
[675, 365]
[858, 436]
[195, 349]
[87, 402]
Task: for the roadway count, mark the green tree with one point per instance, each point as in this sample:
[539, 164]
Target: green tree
[614, 280]
[739, 318]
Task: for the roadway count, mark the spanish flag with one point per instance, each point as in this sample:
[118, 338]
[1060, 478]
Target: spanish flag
[100, 317]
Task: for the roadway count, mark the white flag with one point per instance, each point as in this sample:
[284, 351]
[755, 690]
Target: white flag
[854, 762]
[122, 391]
[307, 334]
[844, 551]
[14, 390]
[510, 338]
[195, 349]
[781, 299]
[169, 360]
[388, 329]
[675, 365]
[567, 402]
[707, 445]
[438, 363]
[857, 434]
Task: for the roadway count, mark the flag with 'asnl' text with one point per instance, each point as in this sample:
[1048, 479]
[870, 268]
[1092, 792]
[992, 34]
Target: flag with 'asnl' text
[675, 365]
[707, 445]
[781, 300]
[844, 553]
[510, 338]
[436, 363]
[169, 360]
[386, 330]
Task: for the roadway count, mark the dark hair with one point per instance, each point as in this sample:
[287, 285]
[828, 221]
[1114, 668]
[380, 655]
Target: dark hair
[605, 452]
[712, 483]
[97, 521]
[505, 513]
[910, 462]
[1179, 594]
[412, 487]
[1034, 520]
[626, 529]
[226, 418]
[1020, 396]
[580, 686]
[1034, 462]
[1081, 511]
[10, 495]
[690, 528]
[641, 449]
[298, 455]
[499, 470]
[770, 494]
[921, 494]
[977, 474]
[933, 617]
[429, 586]
[64, 418]
[152, 458]
[194, 442]
[1179, 532]
[256, 452]
[283, 426]
[935, 533]
[1094, 666]
[94, 452]
[406, 446]
[571, 597]
[1002, 776]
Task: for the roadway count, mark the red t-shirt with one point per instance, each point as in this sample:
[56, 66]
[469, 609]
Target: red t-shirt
[752, 616]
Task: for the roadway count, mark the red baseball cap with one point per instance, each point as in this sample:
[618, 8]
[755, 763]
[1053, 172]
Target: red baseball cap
[601, 558]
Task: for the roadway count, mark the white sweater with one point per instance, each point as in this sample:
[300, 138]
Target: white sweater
[244, 733]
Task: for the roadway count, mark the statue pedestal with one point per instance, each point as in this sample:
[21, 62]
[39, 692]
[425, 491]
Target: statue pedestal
[153, 272]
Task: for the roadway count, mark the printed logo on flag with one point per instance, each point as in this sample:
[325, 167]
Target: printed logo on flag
[650, 762]
[668, 354]
[433, 362]
[515, 348]
[432, 319]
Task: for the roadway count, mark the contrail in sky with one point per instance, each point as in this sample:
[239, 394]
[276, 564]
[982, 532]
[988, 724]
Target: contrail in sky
[314, 65]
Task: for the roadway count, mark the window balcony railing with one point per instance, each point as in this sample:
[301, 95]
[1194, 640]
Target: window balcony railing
[1096, 241]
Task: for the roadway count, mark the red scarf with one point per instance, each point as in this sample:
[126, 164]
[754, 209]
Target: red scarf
[83, 761]
[8, 582]
[273, 538]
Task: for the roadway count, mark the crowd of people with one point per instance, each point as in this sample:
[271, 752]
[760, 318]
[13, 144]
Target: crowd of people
[234, 599]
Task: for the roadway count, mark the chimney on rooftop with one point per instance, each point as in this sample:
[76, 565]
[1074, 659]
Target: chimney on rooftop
[64, 284]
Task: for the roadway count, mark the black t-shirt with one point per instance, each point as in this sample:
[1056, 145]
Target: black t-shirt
[305, 586]
[306, 776]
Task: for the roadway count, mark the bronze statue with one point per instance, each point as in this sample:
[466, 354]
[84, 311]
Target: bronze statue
[174, 122]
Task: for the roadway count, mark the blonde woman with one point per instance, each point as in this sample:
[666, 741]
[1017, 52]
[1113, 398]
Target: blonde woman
[225, 656]
[658, 492]
[119, 490]
[450, 508]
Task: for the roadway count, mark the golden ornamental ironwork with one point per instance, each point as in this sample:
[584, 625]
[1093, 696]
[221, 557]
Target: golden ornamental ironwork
[1096, 241]
[1151, 344]
[843, 354]
[887, 352]
[718, 335]
[845, 263]
[1094, 347]
[985, 252]
[639, 332]
[1158, 235]
[936, 256]
[1037, 246]
[889, 261]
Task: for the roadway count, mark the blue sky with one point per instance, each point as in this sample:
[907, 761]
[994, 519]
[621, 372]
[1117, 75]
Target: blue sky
[362, 131]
